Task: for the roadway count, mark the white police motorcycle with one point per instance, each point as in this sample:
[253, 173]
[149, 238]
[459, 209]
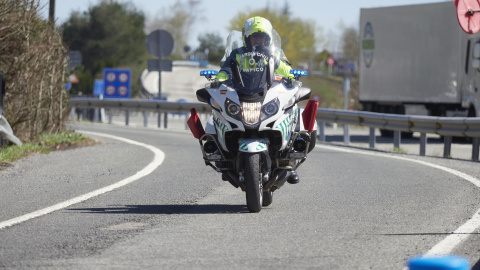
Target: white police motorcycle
[256, 135]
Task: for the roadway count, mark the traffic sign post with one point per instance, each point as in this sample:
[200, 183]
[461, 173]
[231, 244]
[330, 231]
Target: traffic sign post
[159, 44]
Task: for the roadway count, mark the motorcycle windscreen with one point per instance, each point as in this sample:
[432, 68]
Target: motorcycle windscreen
[254, 82]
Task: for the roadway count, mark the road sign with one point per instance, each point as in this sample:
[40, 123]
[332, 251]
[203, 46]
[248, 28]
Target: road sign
[330, 61]
[160, 43]
[73, 78]
[117, 83]
[165, 65]
[468, 15]
[98, 88]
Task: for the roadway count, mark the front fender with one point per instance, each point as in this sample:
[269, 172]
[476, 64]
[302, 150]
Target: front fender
[252, 145]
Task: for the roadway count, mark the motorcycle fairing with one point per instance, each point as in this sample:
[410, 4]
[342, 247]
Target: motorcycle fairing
[286, 125]
[252, 145]
[210, 127]
[221, 126]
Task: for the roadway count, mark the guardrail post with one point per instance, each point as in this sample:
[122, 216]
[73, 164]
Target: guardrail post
[96, 111]
[475, 146]
[371, 138]
[447, 147]
[165, 120]
[145, 118]
[322, 131]
[346, 134]
[423, 144]
[127, 117]
[397, 137]
[346, 90]
[110, 116]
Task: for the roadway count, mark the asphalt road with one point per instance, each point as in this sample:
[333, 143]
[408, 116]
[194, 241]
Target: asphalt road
[352, 209]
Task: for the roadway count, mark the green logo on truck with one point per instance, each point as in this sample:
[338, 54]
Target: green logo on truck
[368, 44]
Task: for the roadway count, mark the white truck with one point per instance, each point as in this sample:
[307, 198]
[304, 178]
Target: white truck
[416, 60]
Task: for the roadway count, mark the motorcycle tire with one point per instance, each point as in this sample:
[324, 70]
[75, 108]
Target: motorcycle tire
[253, 185]
[267, 198]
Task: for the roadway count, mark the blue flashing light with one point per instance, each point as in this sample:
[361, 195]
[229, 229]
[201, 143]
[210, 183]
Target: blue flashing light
[208, 73]
[297, 73]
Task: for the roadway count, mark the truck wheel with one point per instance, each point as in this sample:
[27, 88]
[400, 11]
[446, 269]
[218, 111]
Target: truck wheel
[253, 185]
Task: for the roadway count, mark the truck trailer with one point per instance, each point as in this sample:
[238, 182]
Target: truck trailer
[416, 60]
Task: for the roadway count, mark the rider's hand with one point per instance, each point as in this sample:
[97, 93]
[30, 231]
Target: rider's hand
[222, 76]
[265, 50]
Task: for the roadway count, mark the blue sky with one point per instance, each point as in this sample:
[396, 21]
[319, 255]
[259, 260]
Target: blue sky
[327, 14]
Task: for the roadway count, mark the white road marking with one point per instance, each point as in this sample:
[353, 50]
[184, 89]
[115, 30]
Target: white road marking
[158, 158]
[447, 245]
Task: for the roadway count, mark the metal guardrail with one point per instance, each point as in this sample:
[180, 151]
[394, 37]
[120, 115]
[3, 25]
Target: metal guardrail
[6, 131]
[445, 126]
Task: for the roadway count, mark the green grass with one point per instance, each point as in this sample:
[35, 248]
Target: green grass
[62, 137]
[12, 153]
[329, 88]
[399, 150]
[44, 144]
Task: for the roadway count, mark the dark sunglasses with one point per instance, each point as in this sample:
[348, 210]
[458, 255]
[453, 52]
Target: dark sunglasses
[259, 35]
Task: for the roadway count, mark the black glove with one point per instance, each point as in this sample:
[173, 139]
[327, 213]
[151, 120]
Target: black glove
[265, 50]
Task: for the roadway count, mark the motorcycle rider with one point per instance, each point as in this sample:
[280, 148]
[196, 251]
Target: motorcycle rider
[257, 37]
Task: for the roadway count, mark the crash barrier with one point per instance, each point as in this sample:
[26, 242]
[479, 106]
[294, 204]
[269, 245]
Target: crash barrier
[445, 126]
[6, 131]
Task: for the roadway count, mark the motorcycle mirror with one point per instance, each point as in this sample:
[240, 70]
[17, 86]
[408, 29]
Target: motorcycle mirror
[270, 72]
[236, 73]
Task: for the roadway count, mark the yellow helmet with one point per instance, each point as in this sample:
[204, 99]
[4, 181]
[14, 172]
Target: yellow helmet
[256, 25]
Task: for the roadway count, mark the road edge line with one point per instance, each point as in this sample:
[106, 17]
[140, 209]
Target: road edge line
[158, 158]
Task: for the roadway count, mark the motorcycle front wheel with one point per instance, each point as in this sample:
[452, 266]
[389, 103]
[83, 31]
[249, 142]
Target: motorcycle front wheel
[253, 185]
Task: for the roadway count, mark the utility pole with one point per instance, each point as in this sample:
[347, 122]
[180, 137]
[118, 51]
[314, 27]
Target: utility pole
[51, 12]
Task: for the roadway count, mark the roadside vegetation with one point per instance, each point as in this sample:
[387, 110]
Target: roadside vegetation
[329, 88]
[45, 143]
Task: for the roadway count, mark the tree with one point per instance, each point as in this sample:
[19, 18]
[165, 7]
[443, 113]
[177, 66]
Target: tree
[177, 20]
[215, 45]
[298, 36]
[109, 34]
[350, 40]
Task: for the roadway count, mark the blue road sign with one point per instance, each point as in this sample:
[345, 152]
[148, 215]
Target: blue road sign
[117, 83]
[98, 87]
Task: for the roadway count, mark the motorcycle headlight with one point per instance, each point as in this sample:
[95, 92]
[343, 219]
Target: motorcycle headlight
[251, 112]
[233, 109]
[270, 109]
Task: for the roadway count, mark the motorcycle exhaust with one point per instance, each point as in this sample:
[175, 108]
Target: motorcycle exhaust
[210, 147]
[299, 145]
[277, 180]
